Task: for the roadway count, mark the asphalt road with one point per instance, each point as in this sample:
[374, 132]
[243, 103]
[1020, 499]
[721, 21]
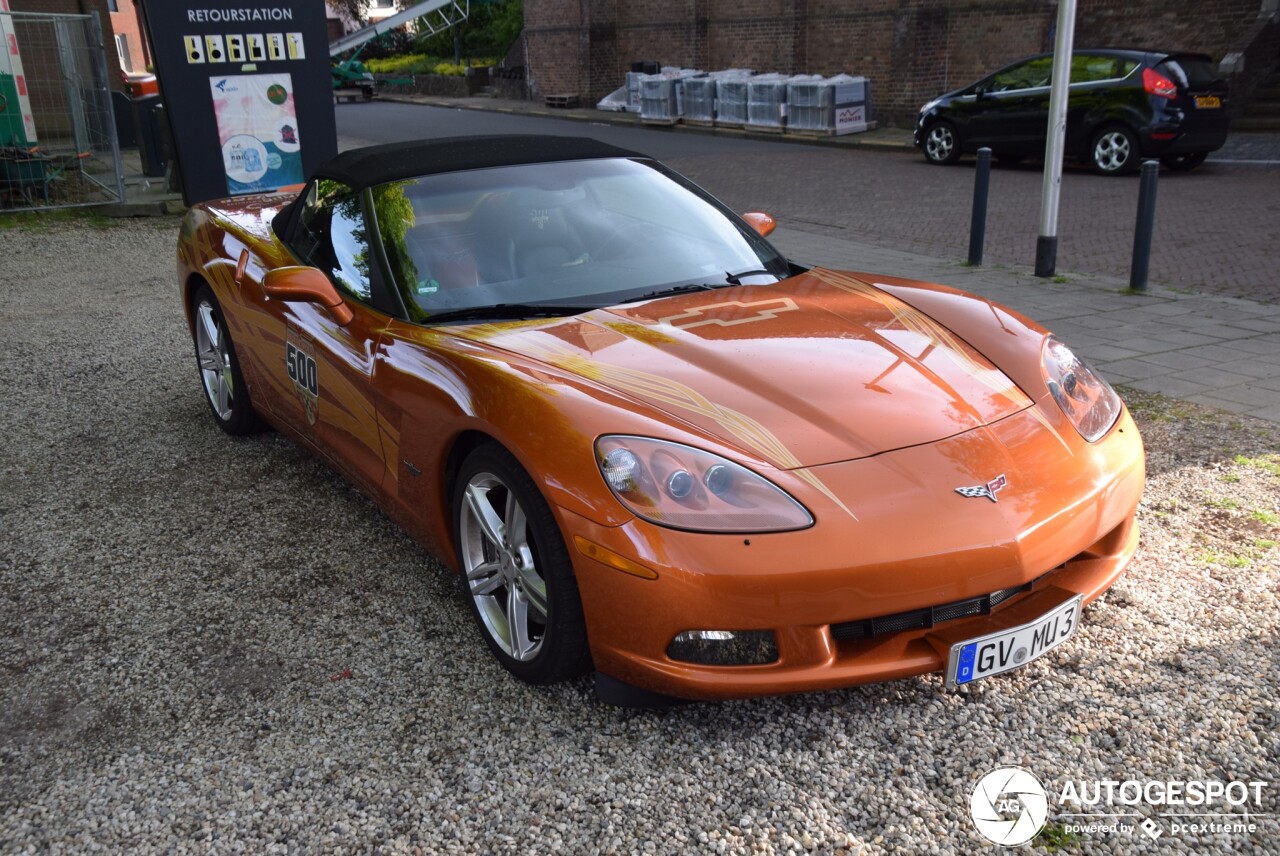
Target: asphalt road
[1214, 231]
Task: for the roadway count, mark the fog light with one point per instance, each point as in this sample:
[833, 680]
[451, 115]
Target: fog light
[724, 647]
[619, 469]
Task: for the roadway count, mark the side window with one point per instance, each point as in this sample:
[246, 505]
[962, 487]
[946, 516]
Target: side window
[1027, 75]
[1089, 68]
[331, 236]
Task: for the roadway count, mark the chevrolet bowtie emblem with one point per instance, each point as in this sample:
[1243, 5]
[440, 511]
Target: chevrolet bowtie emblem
[988, 490]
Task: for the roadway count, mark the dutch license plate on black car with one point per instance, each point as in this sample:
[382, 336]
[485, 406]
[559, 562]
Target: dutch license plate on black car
[1203, 101]
[1008, 649]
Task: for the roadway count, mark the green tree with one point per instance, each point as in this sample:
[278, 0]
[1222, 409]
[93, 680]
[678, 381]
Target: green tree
[489, 30]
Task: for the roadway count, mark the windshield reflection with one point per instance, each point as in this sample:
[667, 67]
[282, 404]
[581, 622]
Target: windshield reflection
[578, 233]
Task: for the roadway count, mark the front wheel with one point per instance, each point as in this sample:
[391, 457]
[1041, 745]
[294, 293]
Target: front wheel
[1191, 160]
[516, 570]
[941, 143]
[224, 388]
[1114, 151]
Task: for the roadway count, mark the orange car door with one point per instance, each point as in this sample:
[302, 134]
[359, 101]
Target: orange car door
[325, 368]
[328, 369]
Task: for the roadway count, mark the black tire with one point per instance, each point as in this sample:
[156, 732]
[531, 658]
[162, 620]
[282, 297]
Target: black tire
[514, 562]
[1182, 163]
[941, 143]
[1009, 158]
[218, 368]
[1114, 151]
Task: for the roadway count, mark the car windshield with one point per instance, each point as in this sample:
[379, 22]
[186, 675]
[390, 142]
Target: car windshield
[574, 234]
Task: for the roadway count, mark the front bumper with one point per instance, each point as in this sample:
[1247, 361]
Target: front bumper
[915, 545]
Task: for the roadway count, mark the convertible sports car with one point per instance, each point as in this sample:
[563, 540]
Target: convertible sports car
[649, 443]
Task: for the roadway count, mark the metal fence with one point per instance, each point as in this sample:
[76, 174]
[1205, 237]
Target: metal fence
[58, 144]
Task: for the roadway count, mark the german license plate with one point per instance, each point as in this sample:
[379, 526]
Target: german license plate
[1203, 101]
[1008, 649]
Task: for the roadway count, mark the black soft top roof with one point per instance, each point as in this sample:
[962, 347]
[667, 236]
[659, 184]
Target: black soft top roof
[360, 168]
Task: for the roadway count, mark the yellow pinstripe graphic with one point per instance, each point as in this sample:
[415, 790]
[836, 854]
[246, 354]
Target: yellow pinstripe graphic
[774, 304]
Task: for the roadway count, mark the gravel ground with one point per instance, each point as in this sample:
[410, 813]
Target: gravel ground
[215, 644]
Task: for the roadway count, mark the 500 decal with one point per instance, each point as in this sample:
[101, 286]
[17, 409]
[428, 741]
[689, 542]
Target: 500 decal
[302, 369]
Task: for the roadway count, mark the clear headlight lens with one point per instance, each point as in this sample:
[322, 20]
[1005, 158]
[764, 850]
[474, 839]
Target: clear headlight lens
[686, 488]
[1088, 400]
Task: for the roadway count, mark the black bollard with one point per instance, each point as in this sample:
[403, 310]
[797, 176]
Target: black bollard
[1146, 223]
[978, 220]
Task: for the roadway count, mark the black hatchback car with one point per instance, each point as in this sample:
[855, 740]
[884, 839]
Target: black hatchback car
[1123, 106]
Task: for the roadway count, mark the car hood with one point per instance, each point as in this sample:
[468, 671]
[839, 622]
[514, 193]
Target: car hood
[819, 368]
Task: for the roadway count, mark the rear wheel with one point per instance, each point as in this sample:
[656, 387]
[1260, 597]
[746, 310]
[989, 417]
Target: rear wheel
[224, 388]
[1185, 162]
[941, 143]
[1114, 151]
[516, 570]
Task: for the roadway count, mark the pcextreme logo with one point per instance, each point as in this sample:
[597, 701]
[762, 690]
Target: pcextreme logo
[1010, 806]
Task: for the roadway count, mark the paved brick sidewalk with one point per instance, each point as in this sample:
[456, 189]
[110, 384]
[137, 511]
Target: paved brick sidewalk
[1220, 351]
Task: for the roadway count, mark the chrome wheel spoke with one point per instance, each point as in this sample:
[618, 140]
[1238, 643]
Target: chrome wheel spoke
[518, 624]
[209, 325]
[485, 578]
[224, 397]
[515, 523]
[490, 524]
[535, 589]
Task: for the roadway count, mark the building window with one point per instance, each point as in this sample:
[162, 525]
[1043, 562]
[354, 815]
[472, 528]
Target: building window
[122, 48]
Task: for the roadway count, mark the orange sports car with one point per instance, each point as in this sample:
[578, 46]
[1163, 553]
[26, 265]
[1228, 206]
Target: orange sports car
[648, 443]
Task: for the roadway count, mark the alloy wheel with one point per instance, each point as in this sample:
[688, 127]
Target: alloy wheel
[939, 143]
[215, 360]
[501, 571]
[1112, 151]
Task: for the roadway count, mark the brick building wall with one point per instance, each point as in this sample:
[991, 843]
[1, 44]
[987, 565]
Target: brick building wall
[911, 49]
[127, 24]
[79, 7]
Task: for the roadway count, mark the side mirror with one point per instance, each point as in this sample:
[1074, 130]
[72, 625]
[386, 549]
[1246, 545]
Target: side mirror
[761, 222]
[299, 284]
[979, 91]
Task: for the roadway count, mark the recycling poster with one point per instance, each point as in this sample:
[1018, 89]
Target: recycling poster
[257, 131]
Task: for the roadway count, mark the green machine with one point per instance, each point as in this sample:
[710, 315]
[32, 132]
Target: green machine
[12, 131]
[352, 79]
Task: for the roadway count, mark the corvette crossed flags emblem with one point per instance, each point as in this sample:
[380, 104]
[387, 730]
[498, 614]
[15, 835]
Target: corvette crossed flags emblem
[988, 490]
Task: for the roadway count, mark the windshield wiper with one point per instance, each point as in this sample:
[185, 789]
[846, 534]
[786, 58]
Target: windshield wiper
[736, 278]
[675, 289]
[508, 311]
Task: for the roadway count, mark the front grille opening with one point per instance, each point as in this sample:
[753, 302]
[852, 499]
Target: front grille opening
[918, 619]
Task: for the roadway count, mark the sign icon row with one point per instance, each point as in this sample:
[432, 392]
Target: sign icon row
[253, 47]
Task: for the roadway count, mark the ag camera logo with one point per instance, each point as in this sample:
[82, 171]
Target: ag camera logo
[1009, 806]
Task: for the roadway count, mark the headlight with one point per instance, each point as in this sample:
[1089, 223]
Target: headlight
[686, 488]
[1088, 400]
